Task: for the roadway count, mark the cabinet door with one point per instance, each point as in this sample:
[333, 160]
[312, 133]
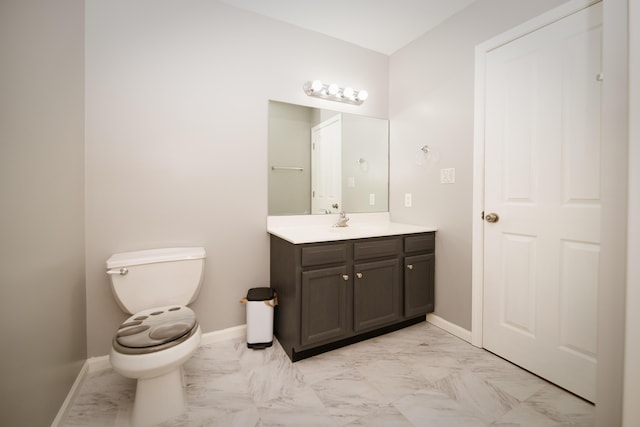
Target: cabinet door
[324, 305]
[376, 294]
[418, 284]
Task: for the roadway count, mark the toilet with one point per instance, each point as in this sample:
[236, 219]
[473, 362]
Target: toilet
[155, 286]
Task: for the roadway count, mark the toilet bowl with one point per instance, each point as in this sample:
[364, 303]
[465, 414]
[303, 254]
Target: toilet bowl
[153, 344]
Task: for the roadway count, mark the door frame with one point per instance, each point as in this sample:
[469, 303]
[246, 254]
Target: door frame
[481, 52]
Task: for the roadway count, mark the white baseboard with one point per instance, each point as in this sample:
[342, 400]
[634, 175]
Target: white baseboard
[71, 396]
[101, 363]
[224, 334]
[452, 328]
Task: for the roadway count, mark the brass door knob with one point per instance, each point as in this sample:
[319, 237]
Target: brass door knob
[492, 217]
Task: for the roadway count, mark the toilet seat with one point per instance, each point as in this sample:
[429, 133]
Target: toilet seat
[155, 329]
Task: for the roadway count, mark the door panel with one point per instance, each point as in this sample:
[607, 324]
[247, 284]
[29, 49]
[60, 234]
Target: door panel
[324, 307]
[578, 276]
[376, 294]
[519, 297]
[418, 284]
[542, 177]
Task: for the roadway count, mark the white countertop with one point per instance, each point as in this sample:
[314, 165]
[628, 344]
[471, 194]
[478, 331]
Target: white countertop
[319, 228]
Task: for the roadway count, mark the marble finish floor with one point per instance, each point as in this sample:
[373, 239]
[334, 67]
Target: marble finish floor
[418, 376]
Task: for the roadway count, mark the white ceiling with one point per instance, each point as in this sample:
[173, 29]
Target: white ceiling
[380, 25]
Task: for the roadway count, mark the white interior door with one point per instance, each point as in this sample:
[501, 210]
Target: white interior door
[326, 166]
[542, 179]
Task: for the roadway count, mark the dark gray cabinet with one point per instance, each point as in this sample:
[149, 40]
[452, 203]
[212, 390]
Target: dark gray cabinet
[323, 314]
[419, 262]
[335, 293]
[376, 294]
[418, 298]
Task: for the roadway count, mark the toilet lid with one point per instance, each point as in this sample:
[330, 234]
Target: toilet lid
[155, 327]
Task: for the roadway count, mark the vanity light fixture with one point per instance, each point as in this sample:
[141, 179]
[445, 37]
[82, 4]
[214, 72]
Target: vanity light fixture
[333, 92]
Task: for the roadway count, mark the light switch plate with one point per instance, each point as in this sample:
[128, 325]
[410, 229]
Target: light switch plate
[448, 176]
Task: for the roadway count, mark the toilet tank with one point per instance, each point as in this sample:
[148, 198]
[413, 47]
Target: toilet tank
[156, 277]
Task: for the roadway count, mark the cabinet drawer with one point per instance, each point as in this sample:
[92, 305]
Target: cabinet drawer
[327, 254]
[422, 242]
[377, 248]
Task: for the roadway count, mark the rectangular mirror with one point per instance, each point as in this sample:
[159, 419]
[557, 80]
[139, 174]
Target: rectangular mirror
[323, 161]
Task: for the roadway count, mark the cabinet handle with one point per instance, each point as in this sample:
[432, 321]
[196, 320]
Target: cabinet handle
[410, 266]
[359, 275]
[345, 277]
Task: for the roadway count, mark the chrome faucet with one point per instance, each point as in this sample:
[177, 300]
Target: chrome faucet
[342, 220]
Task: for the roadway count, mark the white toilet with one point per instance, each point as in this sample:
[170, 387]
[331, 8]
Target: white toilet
[152, 345]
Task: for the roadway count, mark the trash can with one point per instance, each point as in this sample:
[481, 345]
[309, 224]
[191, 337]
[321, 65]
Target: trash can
[260, 304]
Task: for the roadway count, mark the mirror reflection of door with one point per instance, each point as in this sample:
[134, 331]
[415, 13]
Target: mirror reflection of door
[326, 166]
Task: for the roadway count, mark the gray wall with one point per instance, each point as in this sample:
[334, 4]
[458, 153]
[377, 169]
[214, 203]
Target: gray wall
[431, 103]
[42, 292]
[176, 138]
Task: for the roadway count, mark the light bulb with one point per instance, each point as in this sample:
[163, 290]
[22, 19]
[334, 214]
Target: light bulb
[316, 86]
[363, 95]
[333, 89]
[347, 92]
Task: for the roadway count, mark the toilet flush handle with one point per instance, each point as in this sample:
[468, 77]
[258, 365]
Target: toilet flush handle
[121, 271]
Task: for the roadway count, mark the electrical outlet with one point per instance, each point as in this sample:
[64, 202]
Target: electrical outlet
[372, 199]
[408, 200]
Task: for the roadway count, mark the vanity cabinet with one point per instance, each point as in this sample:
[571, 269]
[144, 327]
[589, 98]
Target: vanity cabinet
[377, 283]
[323, 311]
[419, 263]
[335, 293]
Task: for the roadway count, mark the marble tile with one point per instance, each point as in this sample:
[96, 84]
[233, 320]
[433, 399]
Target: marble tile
[212, 417]
[229, 392]
[323, 367]
[435, 408]
[211, 360]
[269, 372]
[511, 379]
[484, 400]
[105, 400]
[417, 376]
[562, 407]
[349, 397]
[524, 416]
[303, 408]
[392, 378]
[386, 416]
